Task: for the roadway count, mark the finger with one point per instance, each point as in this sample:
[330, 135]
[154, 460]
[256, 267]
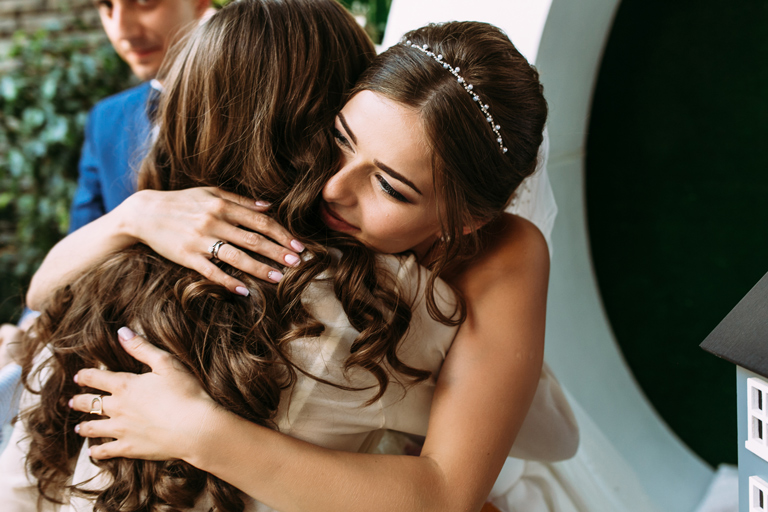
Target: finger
[103, 380]
[142, 350]
[85, 403]
[108, 450]
[264, 225]
[210, 271]
[232, 255]
[9, 333]
[259, 244]
[252, 204]
[97, 428]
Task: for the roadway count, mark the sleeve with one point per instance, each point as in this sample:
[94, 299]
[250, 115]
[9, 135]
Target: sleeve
[88, 203]
[10, 378]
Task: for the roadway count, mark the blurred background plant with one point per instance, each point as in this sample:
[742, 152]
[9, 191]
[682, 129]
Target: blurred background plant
[49, 80]
[44, 101]
[371, 14]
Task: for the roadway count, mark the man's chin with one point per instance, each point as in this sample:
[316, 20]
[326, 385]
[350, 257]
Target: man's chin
[144, 72]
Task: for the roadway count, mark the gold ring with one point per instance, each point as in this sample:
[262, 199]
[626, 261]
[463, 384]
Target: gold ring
[94, 410]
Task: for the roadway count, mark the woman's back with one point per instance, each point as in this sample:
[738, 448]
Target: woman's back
[333, 414]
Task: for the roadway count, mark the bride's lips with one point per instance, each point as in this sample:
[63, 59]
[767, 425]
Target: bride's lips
[334, 221]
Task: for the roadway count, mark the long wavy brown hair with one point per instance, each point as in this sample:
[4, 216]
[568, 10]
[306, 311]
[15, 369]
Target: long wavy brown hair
[249, 103]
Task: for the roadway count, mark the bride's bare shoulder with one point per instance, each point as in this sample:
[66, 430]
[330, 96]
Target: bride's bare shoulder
[513, 250]
[513, 242]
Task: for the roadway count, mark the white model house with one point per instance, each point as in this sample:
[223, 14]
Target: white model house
[742, 338]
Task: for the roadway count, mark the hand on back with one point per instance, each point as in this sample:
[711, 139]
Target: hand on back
[184, 226]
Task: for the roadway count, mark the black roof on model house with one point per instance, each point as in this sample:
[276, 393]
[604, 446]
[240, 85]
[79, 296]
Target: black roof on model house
[742, 336]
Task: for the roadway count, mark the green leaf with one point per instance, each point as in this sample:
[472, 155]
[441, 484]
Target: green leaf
[5, 199]
[8, 88]
[50, 84]
[32, 118]
[16, 162]
[56, 130]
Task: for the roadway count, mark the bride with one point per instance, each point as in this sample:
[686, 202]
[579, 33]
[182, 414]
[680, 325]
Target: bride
[436, 137]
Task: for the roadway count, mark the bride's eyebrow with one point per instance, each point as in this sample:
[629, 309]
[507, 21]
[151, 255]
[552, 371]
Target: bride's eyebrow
[380, 165]
[346, 128]
[397, 175]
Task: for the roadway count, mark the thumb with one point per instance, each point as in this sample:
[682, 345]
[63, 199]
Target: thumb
[140, 349]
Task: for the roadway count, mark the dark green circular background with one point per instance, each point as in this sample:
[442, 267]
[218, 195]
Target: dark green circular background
[677, 198]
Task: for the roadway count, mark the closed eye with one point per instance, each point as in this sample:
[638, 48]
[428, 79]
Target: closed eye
[341, 140]
[387, 188]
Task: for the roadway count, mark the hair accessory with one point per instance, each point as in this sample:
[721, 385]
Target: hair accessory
[214, 249]
[97, 409]
[467, 87]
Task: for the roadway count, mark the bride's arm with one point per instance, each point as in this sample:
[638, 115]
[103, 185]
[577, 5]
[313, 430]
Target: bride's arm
[179, 225]
[482, 395]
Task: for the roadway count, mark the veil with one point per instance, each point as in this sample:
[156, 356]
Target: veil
[534, 199]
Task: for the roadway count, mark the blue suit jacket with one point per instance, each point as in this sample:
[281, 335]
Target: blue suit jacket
[117, 136]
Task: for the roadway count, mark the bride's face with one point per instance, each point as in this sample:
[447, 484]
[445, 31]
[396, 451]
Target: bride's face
[383, 193]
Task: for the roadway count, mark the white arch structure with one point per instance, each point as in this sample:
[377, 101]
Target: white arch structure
[565, 38]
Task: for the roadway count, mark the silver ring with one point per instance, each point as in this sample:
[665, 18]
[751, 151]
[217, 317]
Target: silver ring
[94, 410]
[214, 249]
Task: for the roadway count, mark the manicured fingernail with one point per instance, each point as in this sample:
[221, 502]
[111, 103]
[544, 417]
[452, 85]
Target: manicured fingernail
[262, 204]
[71, 403]
[75, 378]
[77, 428]
[89, 452]
[274, 275]
[125, 334]
[242, 290]
[297, 246]
[292, 260]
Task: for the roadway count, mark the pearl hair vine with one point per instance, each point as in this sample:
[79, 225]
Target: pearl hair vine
[467, 87]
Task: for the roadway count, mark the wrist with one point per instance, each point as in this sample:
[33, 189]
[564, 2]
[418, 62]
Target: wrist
[220, 436]
[124, 217]
[209, 422]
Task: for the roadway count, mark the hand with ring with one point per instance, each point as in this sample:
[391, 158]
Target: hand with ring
[157, 415]
[97, 406]
[187, 227]
[195, 226]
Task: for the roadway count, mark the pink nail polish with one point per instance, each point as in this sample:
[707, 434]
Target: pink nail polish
[262, 204]
[77, 428]
[125, 334]
[297, 246]
[71, 403]
[242, 290]
[75, 378]
[274, 276]
[292, 260]
[89, 452]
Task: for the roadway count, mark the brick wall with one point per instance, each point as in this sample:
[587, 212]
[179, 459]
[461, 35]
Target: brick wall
[31, 15]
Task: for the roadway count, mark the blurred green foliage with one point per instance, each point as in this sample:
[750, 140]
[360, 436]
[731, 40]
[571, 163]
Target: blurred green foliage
[44, 101]
[374, 12]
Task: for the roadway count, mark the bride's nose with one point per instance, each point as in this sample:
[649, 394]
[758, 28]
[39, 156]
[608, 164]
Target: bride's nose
[343, 186]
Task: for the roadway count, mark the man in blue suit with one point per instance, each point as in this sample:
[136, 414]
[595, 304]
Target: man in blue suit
[117, 133]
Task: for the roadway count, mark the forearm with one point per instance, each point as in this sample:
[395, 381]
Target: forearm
[291, 475]
[77, 252]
